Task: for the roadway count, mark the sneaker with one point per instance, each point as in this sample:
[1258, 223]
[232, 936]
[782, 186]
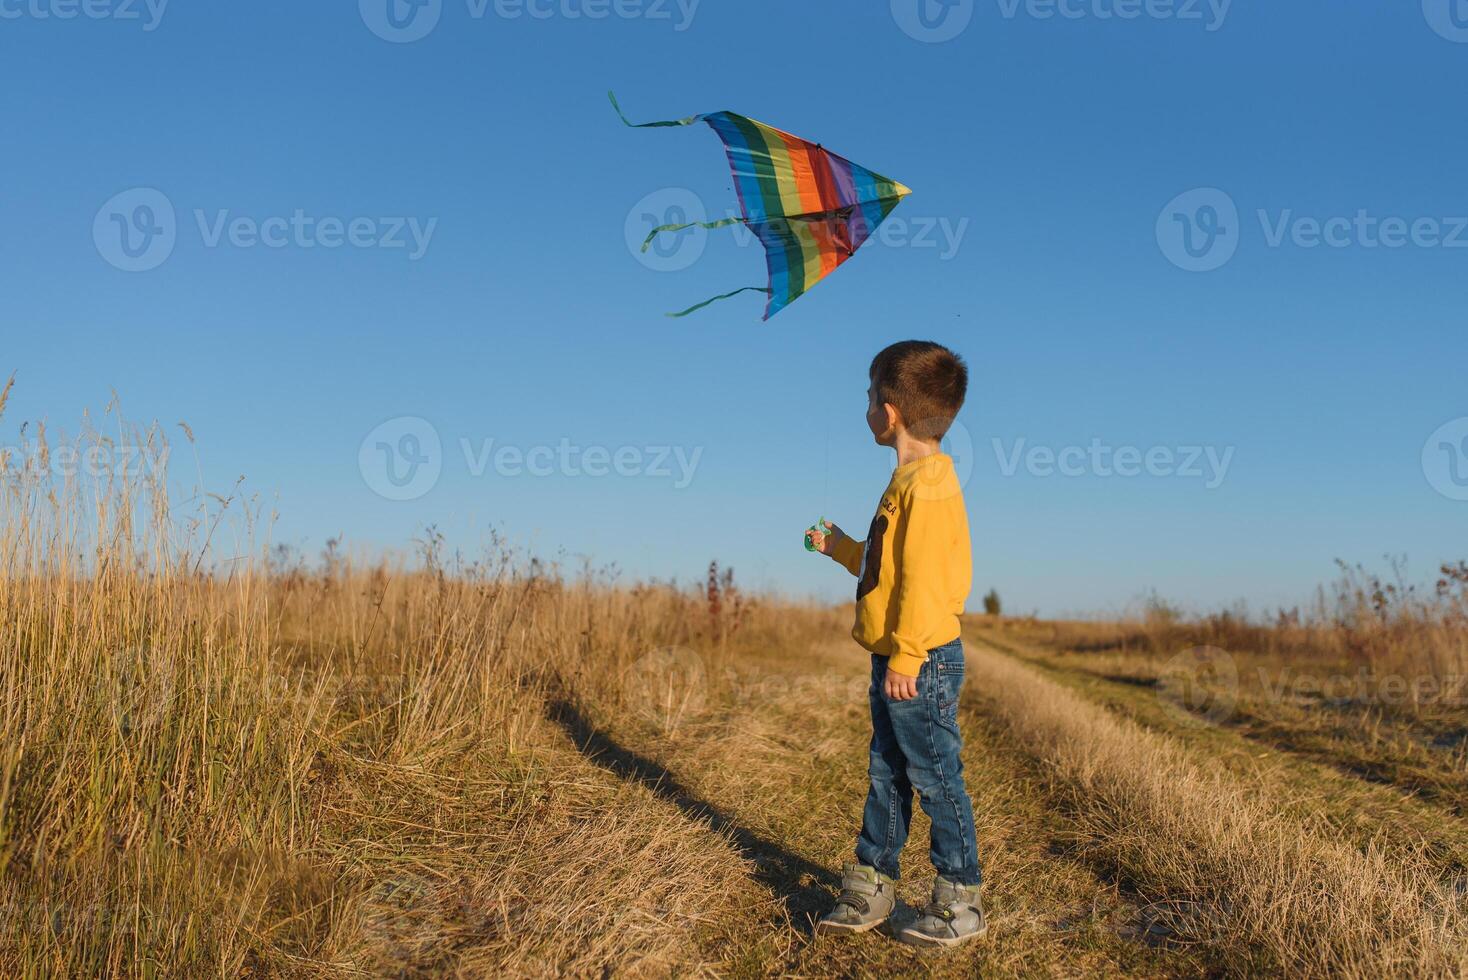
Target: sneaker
[867, 899]
[953, 916]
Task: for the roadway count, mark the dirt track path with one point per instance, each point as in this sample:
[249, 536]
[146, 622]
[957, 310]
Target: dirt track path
[1361, 810]
[779, 776]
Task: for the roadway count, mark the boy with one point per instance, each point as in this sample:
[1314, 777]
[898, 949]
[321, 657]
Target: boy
[913, 575]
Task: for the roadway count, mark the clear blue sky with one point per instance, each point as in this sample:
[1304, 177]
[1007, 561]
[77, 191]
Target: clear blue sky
[1053, 144]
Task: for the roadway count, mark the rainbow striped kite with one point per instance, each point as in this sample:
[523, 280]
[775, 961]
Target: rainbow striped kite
[810, 208]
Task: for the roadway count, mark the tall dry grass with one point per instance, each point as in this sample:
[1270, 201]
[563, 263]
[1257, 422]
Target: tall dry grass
[1408, 642]
[1264, 893]
[216, 760]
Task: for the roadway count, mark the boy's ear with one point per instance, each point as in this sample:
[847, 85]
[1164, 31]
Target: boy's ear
[894, 417]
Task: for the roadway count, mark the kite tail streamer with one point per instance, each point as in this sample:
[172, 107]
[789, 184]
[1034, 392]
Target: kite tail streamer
[721, 223]
[746, 289]
[670, 122]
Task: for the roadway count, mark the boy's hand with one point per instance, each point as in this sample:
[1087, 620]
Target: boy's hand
[899, 687]
[825, 539]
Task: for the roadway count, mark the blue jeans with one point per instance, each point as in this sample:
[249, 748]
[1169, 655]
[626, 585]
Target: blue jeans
[915, 746]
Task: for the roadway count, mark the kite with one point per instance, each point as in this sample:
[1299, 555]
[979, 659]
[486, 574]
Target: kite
[810, 208]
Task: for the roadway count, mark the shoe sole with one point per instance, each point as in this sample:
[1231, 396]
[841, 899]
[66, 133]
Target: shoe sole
[913, 938]
[840, 928]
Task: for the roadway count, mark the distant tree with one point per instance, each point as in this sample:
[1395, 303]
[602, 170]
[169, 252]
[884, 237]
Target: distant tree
[991, 603]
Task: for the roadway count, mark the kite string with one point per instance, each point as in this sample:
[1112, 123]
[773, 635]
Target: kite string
[826, 490]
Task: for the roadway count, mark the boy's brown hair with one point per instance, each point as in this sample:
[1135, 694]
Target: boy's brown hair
[925, 381]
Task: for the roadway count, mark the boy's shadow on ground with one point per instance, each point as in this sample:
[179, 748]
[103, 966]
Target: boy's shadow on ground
[807, 889]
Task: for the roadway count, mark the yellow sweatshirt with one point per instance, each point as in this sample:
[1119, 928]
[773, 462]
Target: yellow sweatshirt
[914, 569]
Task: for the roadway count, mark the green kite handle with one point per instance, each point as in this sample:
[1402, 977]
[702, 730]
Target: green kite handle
[819, 528]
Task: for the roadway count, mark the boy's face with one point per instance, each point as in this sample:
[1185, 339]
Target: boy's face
[881, 418]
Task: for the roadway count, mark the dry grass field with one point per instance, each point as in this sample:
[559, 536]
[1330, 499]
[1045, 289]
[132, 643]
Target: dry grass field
[222, 761]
